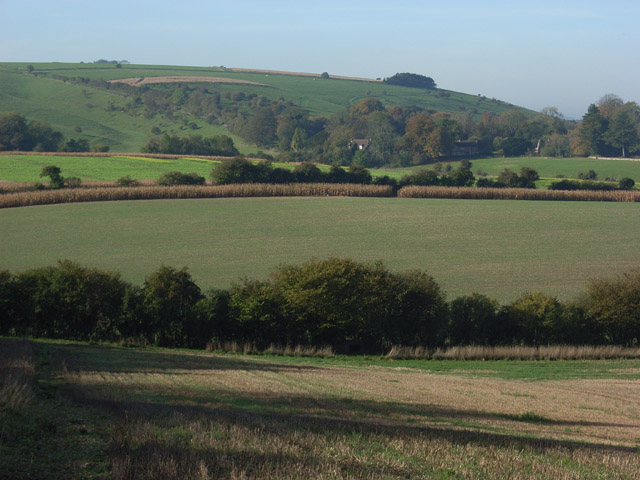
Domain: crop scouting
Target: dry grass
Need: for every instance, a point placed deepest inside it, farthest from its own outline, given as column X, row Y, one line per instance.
column 519, row 194
column 17, row 371
column 545, row 352
column 136, row 82
column 278, row 350
column 198, row 416
column 45, row 197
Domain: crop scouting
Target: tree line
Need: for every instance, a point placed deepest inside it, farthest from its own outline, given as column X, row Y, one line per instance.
column 342, row 303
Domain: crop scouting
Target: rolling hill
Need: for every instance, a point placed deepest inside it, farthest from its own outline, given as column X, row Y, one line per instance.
column 81, row 101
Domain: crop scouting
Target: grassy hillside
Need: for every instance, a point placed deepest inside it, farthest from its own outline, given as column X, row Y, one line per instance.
column 43, row 95
column 499, row 248
column 88, row 411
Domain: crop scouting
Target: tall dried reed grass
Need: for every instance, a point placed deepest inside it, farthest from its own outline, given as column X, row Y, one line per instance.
column 279, row 350
column 17, row 371
column 547, row 352
column 45, row 197
column 475, row 193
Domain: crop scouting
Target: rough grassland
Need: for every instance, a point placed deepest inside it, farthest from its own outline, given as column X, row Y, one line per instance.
column 128, row 413
column 500, row 248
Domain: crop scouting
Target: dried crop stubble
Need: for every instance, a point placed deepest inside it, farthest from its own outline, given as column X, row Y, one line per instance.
column 237, row 417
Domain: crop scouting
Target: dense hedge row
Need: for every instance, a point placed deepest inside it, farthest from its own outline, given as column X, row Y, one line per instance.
column 336, row 302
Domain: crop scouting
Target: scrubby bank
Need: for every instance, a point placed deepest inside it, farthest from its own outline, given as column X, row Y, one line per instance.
column 336, row 302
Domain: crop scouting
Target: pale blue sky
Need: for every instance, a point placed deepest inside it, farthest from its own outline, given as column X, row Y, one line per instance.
column 535, row 54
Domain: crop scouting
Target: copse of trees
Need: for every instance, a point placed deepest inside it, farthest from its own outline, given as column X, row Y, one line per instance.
column 306, row 304
column 413, row 80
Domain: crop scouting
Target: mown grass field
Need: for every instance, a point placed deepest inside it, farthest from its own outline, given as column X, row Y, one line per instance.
column 547, row 168
column 27, row 168
column 497, row 247
column 80, row 411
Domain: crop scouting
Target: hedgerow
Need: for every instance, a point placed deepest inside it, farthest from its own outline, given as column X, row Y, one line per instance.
column 349, row 306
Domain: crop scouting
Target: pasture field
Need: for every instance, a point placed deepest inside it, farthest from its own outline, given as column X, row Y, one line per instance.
column 100, row 115
column 547, row 168
column 27, row 168
column 500, row 248
column 89, row 411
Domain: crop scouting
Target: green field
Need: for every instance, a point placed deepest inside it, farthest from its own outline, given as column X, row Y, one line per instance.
column 500, row 248
column 102, row 117
column 71, row 410
column 27, row 168
column 547, row 168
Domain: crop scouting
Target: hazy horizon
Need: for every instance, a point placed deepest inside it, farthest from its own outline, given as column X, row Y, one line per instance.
column 562, row 54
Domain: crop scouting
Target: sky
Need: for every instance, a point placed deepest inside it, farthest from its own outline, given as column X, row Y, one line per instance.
column 565, row 54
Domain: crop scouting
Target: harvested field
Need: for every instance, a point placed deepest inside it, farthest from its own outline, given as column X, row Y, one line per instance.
column 189, row 415
column 136, row 82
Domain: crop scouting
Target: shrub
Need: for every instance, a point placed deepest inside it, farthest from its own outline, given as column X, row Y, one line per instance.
column 72, row 182
column 178, row 178
column 127, row 182
column 626, row 183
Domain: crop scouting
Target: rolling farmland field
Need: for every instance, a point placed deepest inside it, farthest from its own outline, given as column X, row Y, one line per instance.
column 90, row 411
column 500, row 248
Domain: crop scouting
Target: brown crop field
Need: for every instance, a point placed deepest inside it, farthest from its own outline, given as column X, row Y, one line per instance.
column 198, row 415
column 138, row 81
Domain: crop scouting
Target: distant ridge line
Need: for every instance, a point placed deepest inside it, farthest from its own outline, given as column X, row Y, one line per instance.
column 299, row 74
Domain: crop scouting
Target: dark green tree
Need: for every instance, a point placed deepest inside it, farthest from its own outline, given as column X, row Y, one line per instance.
column 623, row 130
column 592, row 129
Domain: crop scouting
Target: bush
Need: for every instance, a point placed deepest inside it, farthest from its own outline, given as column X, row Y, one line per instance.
column 178, row 178
column 626, row 183
column 72, row 182
column 127, row 182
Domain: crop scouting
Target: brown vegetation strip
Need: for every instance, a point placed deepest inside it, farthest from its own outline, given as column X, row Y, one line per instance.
column 543, row 352
column 519, row 194
column 136, row 82
column 23, row 199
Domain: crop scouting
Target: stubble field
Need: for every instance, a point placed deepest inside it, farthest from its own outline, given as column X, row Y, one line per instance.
column 169, row 414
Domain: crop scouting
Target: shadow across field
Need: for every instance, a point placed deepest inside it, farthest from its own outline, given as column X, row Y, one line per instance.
column 118, row 360
column 328, row 411
column 170, row 418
